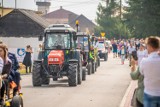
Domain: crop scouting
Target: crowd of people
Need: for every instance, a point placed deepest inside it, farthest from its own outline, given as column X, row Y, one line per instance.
column 125, row 48
column 144, row 60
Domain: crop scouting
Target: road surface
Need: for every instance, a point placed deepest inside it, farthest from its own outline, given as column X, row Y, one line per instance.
column 105, row 88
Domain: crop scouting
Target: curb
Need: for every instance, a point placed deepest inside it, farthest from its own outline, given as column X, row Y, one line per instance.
column 126, row 101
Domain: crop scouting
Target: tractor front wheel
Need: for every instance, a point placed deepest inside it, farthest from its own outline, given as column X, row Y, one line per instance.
column 45, row 80
column 89, row 67
column 73, row 75
column 98, row 61
column 84, row 73
column 93, row 67
column 36, row 74
column 105, row 57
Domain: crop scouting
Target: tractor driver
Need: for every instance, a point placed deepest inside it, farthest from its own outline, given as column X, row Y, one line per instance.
column 60, row 41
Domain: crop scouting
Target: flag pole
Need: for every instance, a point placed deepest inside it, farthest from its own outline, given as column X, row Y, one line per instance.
column 15, row 4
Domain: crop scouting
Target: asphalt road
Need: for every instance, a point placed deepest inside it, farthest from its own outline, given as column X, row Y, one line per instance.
column 105, row 88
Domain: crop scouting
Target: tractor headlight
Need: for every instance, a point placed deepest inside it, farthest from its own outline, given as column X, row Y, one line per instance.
column 55, row 59
column 51, row 59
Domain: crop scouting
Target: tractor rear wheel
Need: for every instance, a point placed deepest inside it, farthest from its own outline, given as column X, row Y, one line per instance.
column 98, row 61
column 96, row 65
column 73, row 75
column 84, row 73
column 105, row 57
column 80, row 73
column 89, row 67
column 36, row 74
column 93, row 67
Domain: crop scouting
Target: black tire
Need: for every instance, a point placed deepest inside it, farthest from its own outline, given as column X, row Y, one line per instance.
column 98, row 61
column 96, row 65
column 17, row 101
column 73, row 75
column 36, row 74
column 93, row 67
column 55, row 79
column 45, row 80
column 105, row 57
column 89, row 67
column 80, row 73
column 84, row 73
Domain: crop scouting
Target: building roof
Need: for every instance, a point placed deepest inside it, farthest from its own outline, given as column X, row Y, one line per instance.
column 60, row 14
column 83, row 19
column 22, row 23
column 84, row 23
column 31, row 14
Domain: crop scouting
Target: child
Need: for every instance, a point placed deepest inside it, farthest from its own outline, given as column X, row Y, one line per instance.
column 122, row 53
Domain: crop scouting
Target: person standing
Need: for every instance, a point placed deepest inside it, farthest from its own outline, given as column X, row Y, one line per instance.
column 14, row 74
column 27, row 59
column 40, row 52
column 122, row 54
column 5, row 72
column 137, row 43
column 136, row 75
column 131, row 48
column 149, row 67
column 114, row 45
column 141, row 53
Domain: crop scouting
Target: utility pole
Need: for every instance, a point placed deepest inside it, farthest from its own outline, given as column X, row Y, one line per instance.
column 120, row 9
column 15, row 4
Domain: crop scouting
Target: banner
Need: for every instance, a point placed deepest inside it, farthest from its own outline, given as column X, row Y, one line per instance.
column 20, row 53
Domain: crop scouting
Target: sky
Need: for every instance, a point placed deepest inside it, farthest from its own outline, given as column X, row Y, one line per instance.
column 85, row 7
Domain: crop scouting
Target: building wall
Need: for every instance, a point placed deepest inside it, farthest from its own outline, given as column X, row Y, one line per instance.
column 13, row 42
column 5, row 11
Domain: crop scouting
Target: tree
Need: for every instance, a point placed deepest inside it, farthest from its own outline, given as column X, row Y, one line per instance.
column 142, row 17
column 110, row 23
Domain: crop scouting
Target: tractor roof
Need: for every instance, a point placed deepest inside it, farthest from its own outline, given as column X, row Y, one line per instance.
column 59, row 28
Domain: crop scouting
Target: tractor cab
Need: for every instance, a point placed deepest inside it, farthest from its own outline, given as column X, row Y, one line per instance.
column 60, row 57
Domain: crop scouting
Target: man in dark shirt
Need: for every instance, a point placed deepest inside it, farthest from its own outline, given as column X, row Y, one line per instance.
column 114, row 45
column 14, row 74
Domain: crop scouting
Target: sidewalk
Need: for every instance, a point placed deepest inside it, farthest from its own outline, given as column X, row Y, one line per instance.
column 126, row 101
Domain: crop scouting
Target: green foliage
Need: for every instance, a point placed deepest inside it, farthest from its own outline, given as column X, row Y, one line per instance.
column 143, row 17
column 109, row 23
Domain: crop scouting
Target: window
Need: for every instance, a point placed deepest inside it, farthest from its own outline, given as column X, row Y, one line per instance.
column 54, row 40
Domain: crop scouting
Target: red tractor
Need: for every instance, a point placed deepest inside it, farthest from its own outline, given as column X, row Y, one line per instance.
column 60, row 57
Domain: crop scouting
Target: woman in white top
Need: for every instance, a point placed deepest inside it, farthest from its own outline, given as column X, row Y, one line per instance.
column 141, row 53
